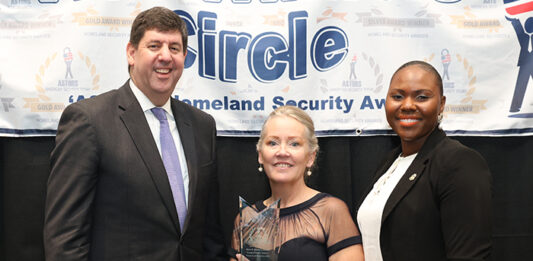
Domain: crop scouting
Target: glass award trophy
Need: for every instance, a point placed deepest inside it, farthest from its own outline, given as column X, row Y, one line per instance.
column 259, row 231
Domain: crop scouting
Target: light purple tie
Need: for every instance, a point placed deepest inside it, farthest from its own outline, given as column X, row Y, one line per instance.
column 172, row 165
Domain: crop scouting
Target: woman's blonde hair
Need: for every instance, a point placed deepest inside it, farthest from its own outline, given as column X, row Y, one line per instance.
column 300, row 116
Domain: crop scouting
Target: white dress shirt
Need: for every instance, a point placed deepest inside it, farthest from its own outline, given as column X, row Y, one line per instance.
column 154, row 124
column 371, row 211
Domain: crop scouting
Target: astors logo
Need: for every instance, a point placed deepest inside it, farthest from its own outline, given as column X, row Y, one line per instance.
column 446, row 59
column 464, row 92
column 42, row 102
column 369, row 66
column 518, row 13
column 49, row 78
column 67, row 56
column 352, row 82
column 353, row 77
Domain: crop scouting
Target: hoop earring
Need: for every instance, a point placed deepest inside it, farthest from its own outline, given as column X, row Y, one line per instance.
column 260, row 168
column 439, row 118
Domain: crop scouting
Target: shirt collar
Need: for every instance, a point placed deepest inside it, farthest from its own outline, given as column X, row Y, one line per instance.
column 145, row 103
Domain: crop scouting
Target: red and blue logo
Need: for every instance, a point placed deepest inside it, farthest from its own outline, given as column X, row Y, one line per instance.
column 516, row 7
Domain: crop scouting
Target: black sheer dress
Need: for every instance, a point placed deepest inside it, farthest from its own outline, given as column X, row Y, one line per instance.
column 313, row 230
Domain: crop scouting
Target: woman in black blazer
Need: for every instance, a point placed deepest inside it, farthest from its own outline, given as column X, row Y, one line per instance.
column 431, row 200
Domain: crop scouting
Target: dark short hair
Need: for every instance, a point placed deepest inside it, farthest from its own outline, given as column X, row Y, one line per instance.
column 157, row 18
column 426, row 67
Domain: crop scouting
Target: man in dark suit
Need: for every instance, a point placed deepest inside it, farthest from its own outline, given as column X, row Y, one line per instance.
column 109, row 196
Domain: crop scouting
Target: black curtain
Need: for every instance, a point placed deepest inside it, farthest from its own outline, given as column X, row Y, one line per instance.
column 345, row 167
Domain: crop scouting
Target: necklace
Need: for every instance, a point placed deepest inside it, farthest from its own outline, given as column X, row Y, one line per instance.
column 383, row 180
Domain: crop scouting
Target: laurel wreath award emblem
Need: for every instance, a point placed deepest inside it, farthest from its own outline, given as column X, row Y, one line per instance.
column 467, row 104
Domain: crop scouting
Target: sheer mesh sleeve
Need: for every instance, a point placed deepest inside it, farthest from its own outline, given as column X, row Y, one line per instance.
column 339, row 226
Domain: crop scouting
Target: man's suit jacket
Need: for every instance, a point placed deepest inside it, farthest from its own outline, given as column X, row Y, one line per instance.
column 441, row 208
column 108, row 195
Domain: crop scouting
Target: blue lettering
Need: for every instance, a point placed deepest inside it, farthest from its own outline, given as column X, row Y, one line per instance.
column 226, row 104
column 186, row 101
column 379, row 103
column 297, row 44
column 291, row 103
column 206, row 44
column 201, row 104
column 234, row 105
column 278, row 101
column 367, row 103
column 268, row 54
column 79, row 98
column 217, row 105
column 230, row 45
column 191, row 30
column 302, row 104
column 329, row 48
column 267, row 57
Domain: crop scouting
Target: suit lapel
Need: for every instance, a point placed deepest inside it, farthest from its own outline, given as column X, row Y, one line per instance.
column 133, row 118
column 183, row 122
column 413, row 173
column 409, row 178
column 386, row 164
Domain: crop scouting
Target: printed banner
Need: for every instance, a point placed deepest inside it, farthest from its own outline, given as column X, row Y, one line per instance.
column 333, row 59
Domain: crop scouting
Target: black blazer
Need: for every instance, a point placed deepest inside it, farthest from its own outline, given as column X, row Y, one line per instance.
column 441, row 208
column 108, row 196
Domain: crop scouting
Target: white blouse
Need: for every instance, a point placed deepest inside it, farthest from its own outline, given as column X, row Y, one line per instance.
column 370, row 213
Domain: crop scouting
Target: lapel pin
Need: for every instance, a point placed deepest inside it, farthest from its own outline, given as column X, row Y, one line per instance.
column 413, row 177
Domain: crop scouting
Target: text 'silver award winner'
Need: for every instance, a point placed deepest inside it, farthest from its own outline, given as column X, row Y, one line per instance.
column 259, row 231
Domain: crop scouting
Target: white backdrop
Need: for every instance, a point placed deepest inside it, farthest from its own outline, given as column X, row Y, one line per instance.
column 245, row 57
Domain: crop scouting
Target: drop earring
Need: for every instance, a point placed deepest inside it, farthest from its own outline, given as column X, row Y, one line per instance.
column 439, row 118
column 260, row 168
column 309, row 172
